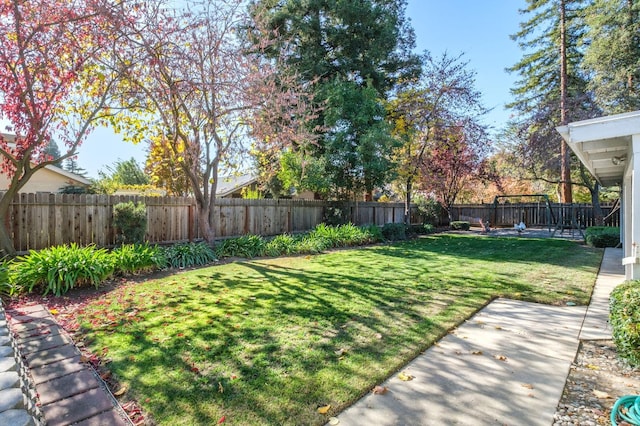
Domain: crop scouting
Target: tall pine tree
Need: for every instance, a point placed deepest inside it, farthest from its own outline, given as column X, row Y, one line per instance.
column 551, row 90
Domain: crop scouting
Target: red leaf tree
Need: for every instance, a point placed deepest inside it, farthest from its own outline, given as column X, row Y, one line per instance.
column 454, row 157
column 437, row 118
column 51, row 84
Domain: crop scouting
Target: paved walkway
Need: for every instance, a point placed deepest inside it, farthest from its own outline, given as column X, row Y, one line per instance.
column 507, row 365
column 70, row 392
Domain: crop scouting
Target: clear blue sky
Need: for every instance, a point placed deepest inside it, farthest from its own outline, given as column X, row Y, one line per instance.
column 478, row 28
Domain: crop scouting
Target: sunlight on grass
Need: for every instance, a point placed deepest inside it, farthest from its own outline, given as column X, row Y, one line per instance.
column 268, row 341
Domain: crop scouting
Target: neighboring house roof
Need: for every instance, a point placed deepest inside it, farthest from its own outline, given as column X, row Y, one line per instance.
column 69, row 175
column 59, row 173
column 227, row 185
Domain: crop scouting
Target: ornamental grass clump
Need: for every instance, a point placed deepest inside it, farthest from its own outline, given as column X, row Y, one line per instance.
column 137, row 258
column 186, row 255
column 624, row 317
column 6, row 286
column 280, row 245
column 373, row 233
column 329, row 235
column 248, row 246
column 59, row 269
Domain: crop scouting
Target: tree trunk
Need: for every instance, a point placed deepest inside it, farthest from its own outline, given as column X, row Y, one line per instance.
column 566, row 195
column 203, row 220
column 407, row 202
column 20, row 177
column 6, row 243
column 598, row 216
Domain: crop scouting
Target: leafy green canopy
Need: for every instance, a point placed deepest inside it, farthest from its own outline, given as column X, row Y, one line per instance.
column 352, row 54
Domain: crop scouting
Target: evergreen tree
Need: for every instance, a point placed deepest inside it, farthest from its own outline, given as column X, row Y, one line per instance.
column 125, row 173
column 352, row 54
column 52, row 151
column 71, row 165
column 552, row 88
column 612, row 58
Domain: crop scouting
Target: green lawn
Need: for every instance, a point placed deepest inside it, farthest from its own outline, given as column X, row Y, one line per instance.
column 268, row 341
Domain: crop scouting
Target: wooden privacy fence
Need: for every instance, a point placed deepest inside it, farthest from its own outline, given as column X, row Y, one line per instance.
column 534, row 214
column 38, row 221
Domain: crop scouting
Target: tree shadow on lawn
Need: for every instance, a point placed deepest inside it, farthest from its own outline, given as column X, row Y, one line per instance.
column 339, row 335
column 206, row 346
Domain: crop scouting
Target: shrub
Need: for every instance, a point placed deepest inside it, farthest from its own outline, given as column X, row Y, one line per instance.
column 185, row 255
column 130, row 222
column 423, row 229
column 61, row 268
column 429, row 209
column 602, row 236
column 460, row 225
column 248, row 246
column 624, row 316
column 337, row 213
column 137, row 258
column 394, row 231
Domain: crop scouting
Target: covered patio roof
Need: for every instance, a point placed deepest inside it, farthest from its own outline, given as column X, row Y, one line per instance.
column 603, row 144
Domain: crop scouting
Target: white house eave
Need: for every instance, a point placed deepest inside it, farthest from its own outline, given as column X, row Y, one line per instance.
column 603, row 144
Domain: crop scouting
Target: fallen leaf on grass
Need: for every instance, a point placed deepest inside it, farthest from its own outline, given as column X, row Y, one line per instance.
column 380, row 390
column 220, row 388
column 324, row 409
column 222, row 419
column 340, row 352
column 378, row 336
column 405, row 377
column 600, row 394
column 120, row 391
